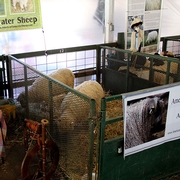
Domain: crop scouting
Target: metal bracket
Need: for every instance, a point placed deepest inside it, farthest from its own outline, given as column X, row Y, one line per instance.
column 120, row 150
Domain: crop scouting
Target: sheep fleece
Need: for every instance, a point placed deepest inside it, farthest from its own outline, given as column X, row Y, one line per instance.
column 76, row 109
column 151, row 37
column 22, row 3
column 152, row 5
column 39, row 91
column 138, row 123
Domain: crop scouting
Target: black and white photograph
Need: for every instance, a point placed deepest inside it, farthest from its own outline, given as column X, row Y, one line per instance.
column 145, row 119
column 152, row 5
column 22, row 6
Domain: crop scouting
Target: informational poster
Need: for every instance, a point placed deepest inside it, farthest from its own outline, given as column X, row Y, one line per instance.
column 149, row 11
column 20, row 15
column 151, row 117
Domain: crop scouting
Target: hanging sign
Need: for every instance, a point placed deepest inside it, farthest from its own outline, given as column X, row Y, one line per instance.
column 151, row 117
column 149, row 11
column 20, row 15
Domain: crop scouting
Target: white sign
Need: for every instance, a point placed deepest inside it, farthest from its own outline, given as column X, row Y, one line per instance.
column 151, row 117
column 149, row 11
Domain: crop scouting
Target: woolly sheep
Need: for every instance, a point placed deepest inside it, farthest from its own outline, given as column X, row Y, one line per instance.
column 141, row 117
column 39, row 91
column 22, row 3
column 151, row 37
column 153, row 5
column 76, row 110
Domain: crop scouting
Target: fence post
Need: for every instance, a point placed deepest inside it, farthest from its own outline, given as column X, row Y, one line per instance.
column 98, row 63
column 9, row 77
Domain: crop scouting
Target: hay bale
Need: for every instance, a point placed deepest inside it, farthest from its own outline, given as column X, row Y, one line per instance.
column 114, row 109
column 159, row 77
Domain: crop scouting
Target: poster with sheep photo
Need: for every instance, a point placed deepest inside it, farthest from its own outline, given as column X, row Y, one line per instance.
column 149, row 12
column 151, row 37
column 20, row 15
column 151, row 118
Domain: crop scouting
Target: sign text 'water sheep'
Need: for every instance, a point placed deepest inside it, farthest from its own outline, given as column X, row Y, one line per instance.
column 19, row 20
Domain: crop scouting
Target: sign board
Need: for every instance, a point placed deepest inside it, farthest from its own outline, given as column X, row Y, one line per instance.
column 20, row 15
column 149, row 11
column 151, row 117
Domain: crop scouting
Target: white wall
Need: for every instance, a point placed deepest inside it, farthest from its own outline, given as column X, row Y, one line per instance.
column 170, row 18
column 170, row 24
column 69, row 23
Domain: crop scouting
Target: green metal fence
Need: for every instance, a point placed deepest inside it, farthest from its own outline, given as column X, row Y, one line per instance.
column 172, row 44
column 83, row 61
column 124, row 71
column 155, row 163
column 99, row 138
column 120, row 75
column 75, row 141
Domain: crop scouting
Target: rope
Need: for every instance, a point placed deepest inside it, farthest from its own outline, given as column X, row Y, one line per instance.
column 45, row 48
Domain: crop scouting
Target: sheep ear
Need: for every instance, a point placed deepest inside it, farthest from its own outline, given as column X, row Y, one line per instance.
column 161, row 102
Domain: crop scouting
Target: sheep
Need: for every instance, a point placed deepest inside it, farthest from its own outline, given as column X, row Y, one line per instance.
column 141, row 117
column 39, row 90
column 22, row 3
column 75, row 109
column 152, row 36
column 152, row 5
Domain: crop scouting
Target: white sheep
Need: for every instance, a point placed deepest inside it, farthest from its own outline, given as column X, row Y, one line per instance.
column 153, row 5
column 22, row 3
column 75, row 109
column 152, row 36
column 141, row 117
column 39, row 90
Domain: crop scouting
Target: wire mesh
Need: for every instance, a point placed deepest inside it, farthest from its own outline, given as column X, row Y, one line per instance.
column 75, row 61
column 157, row 69
column 70, row 115
column 69, row 112
column 174, row 47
